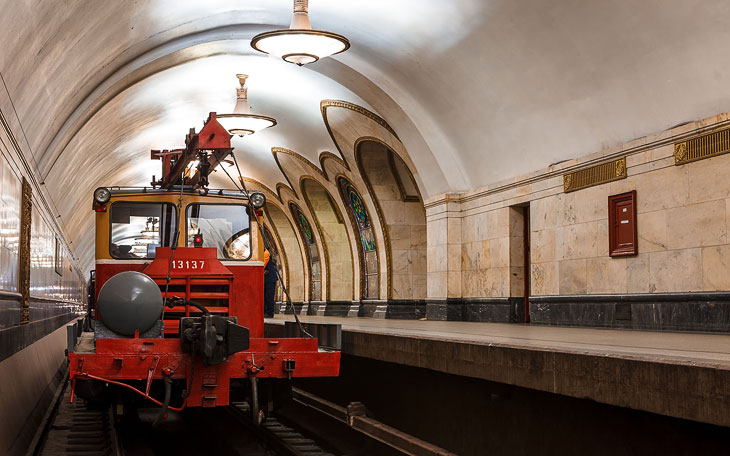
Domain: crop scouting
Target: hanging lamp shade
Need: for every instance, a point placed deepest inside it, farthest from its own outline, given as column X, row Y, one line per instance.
column 242, row 122
column 299, row 43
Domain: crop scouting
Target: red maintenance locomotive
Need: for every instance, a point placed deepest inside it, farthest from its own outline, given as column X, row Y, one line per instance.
column 177, row 308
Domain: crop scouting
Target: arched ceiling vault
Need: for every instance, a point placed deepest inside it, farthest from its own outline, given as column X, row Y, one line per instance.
column 477, row 91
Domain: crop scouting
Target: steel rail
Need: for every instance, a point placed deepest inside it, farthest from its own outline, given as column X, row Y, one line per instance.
column 355, row 416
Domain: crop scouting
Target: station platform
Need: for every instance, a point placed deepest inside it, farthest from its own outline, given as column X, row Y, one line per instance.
column 683, row 375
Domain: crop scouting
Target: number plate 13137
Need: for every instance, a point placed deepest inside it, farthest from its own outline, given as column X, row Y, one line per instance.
column 188, row 264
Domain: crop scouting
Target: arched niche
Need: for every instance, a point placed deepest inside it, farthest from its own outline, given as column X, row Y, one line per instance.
column 336, row 244
column 295, row 268
column 311, row 252
column 391, row 183
column 366, row 244
column 278, row 255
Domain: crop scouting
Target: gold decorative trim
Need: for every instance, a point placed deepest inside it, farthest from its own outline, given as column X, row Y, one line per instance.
column 324, row 156
column 26, row 213
column 324, row 104
column 595, row 175
column 701, row 147
column 282, row 150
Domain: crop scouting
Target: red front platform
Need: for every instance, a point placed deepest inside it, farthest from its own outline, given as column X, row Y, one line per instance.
column 230, row 290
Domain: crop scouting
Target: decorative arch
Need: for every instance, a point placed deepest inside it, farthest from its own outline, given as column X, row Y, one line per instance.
column 311, row 251
column 335, row 239
column 367, row 246
column 278, row 253
column 400, row 208
column 290, row 244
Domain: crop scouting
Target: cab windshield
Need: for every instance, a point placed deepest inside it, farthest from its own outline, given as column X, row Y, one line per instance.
column 137, row 229
column 227, row 227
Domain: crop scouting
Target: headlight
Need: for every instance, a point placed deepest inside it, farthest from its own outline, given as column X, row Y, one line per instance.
column 102, row 195
column 257, row 199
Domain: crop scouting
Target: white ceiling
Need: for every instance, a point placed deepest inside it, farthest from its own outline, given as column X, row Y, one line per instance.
column 478, row 90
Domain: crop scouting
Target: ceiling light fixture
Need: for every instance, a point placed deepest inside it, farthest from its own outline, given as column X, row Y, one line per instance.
column 299, row 43
column 242, row 122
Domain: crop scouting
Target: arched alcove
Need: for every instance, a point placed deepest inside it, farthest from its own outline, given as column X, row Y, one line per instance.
column 367, row 249
column 331, row 225
column 310, row 251
column 294, row 276
column 279, row 256
column 394, row 189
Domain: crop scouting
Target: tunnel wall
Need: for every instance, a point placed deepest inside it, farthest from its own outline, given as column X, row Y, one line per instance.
column 677, row 281
column 41, row 289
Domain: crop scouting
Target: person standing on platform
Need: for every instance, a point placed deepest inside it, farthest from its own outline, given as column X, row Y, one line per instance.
column 270, row 280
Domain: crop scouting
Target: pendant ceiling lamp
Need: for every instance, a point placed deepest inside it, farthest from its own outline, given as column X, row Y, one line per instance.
column 242, row 122
column 299, row 43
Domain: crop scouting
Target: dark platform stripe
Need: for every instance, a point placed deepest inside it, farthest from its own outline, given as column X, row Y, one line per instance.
column 17, row 337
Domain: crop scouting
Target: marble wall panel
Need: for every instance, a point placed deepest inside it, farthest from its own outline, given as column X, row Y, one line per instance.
column 705, row 179
column 544, row 280
column 436, row 258
column 591, row 204
column 544, row 245
column 652, row 231
column 675, row 270
column 580, row 241
column 402, row 286
column 697, row 225
column 716, row 268
column 436, row 285
column 637, row 274
column 572, row 276
column 499, row 253
column 606, row 275
column 662, row 189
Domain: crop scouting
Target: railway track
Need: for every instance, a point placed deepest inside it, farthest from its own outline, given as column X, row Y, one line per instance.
column 76, row 429
column 280, row 437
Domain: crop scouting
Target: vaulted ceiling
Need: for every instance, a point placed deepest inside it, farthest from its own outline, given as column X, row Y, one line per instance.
column 477, row 90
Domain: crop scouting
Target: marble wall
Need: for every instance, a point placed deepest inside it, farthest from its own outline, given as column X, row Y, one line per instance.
column 683, row 217
column 405, row 221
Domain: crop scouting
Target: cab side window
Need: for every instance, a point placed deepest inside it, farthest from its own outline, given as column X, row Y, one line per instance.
column 137, row 229
column 227, row 227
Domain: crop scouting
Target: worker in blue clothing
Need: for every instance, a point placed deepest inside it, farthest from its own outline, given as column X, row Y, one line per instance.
column 270, row 279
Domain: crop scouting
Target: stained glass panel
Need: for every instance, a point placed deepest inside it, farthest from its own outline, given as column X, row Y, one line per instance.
column 369, row 254
column 315, row 269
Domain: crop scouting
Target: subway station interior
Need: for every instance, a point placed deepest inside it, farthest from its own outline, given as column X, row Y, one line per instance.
column 328, row 227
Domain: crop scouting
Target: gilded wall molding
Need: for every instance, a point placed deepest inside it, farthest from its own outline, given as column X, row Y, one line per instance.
column 324, row 104
column 595, row 175
column 703, row 146
column 324, row 156
column 26, row 214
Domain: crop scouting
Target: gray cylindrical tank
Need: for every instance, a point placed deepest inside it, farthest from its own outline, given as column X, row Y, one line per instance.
column 129, row 301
